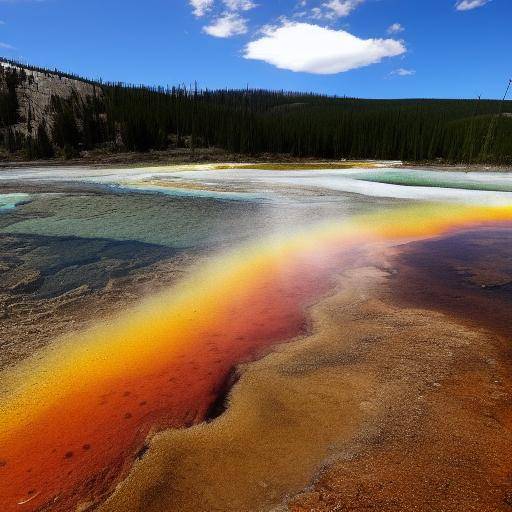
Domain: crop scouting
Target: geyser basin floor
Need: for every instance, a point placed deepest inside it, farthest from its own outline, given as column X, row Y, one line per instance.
column 385, row 407
column 436, row 335
column 73, row 419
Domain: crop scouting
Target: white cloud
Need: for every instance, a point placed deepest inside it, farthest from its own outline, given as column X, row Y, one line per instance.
column 6, row 46
column 396, row 28
column 334, row 9
column 228, row 24
column 225, row 24
column 311, row 48
column 468, row 5
column 201, row 7
column 239, row 5
column 403, row 72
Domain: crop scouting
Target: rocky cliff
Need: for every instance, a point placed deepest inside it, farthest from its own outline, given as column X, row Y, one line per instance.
column 29, row 96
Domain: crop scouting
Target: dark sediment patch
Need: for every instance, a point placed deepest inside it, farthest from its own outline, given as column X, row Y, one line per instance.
column 46, row 267
column 220, row 404
column 466, row 275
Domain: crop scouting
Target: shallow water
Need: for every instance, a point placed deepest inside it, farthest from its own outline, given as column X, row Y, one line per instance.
column 194, row 207
column 10, row 201
column 73, row 418
column 483, row 181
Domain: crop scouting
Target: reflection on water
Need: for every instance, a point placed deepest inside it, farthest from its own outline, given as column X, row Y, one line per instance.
column 50, row 266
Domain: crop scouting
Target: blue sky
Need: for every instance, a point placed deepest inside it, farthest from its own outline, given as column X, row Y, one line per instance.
column 363, row 48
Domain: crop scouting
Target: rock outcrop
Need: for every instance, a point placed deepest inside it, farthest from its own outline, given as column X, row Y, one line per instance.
column 34, row 89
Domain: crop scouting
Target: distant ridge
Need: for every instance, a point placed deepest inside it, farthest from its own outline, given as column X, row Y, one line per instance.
column 28, row 67
column 48, row 113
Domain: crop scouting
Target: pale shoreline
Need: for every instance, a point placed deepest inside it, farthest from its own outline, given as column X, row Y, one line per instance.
column 226, row 161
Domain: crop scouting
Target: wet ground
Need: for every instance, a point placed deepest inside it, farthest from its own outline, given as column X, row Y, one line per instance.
column 442, row 442
column 82, row 246
column 466, row 275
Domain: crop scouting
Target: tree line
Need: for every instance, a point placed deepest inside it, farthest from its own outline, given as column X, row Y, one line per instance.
column 138, row 118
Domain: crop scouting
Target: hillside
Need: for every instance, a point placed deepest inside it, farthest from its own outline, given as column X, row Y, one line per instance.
column 46, row 113
column 28, row 102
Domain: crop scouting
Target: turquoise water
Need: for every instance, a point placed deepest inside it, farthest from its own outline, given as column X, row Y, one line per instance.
column 169, row 221
column 202, row 208
column 10, row 201
column 191, row 192
column 491, row 182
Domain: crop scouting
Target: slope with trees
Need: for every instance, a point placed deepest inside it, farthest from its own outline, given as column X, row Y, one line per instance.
column 120, row 117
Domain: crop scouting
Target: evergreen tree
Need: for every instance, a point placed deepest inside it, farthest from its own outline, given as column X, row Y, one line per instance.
column 252, row 122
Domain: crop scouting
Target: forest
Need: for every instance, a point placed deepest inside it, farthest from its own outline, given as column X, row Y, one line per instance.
column 251, row 122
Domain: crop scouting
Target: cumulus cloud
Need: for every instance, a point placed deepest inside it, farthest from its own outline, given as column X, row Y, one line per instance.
column 311, row 48
column 396, row 28
column 403, row 72
column 201, row 7
column 224, row 16
column 468, row 5
column 228, row 24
